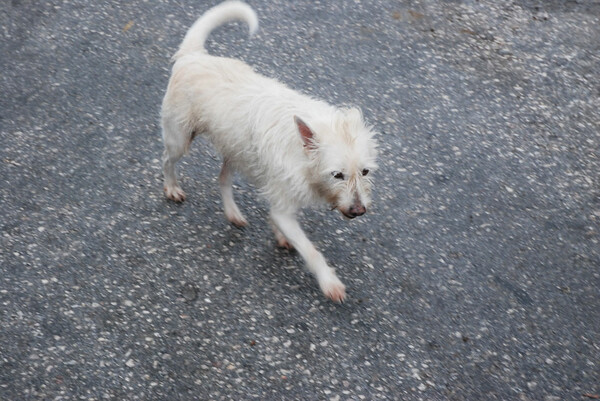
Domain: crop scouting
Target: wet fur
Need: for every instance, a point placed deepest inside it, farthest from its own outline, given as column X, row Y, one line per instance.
column 287, row 144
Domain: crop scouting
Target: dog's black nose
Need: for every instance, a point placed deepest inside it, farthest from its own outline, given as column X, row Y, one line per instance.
column 357, row 210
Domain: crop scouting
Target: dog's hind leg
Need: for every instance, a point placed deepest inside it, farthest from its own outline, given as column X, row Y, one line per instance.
column 232, row 212
column 330, row 284
column 175, row 147
column 282, row 242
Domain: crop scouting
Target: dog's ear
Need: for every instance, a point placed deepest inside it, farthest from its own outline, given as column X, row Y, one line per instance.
column 307, row 135
column 354, row 114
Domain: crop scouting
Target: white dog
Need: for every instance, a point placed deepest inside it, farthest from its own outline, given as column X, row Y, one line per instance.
column 298, row 151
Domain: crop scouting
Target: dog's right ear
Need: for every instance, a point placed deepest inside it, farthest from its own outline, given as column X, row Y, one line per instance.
column 307, row 135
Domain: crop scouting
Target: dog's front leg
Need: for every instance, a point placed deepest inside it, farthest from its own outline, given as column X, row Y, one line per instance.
column 330, row 284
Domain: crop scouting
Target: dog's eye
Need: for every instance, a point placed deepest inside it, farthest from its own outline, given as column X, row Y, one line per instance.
column 338, row 174
column 365, row 171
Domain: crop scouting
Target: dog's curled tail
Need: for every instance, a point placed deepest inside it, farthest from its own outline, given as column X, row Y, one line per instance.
column 213, row 18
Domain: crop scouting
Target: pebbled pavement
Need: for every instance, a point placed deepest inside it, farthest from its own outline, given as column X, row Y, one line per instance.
column 475, row 276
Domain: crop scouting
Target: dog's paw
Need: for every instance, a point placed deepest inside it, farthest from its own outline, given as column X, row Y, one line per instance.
column 282, row 242
column 175, row 193
column 285, row 245
column 237, row 219
column 333, row 289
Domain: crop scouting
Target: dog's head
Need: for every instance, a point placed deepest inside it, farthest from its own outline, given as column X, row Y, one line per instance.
column 343, row 157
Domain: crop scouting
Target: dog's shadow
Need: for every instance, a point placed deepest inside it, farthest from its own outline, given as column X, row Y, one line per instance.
column 282, row 271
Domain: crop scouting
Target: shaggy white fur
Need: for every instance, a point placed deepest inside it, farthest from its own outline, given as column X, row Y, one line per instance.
column 297, row 150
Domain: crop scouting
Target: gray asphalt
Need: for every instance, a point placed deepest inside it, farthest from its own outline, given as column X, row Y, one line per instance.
column 475, row 276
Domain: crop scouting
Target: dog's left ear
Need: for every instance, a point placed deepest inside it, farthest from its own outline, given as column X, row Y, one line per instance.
column 307, row 135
